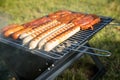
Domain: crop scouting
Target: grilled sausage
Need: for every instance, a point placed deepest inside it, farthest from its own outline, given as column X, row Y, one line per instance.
column 60, row 38
column 33, row 44
column 40, row 28
column 12, row 30
column 43, row 41
column 18, row 33
column 9, row 27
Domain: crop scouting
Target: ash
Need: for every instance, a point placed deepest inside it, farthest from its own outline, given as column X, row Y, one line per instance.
column 65, row 45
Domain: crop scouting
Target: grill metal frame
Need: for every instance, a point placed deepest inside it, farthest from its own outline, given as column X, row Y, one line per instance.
column 80, row 38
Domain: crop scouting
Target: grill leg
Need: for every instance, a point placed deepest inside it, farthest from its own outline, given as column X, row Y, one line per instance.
column 100, row 66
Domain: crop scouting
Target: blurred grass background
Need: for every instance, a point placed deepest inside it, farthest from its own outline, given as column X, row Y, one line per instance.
column 22, row 11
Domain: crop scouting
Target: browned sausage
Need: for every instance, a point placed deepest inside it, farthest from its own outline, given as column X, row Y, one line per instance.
column 9, row 26
column 18, row 33
column 12, row 30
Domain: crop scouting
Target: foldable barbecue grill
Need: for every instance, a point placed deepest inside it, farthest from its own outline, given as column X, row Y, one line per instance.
column 41, row 65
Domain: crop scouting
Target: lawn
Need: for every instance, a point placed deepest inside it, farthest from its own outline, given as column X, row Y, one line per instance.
column 21, row 11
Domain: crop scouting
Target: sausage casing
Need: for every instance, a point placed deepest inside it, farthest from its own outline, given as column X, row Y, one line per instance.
column 12, row 30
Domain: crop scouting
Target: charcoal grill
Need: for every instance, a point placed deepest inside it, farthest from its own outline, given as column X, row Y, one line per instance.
column 40, row 65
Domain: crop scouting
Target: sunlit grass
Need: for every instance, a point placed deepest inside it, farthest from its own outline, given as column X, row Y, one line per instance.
column 22, row 11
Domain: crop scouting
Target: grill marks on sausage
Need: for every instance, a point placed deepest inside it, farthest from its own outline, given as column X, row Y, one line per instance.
column 40, row 28
column 18, row 33
column 60, row 38
column 44, row 29
column 43, row 41
column 35, row 41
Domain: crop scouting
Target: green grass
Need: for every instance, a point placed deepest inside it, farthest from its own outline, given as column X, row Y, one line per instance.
column 21, row 11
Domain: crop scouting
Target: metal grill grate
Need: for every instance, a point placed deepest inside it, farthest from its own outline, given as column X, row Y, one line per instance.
column 64, row 48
